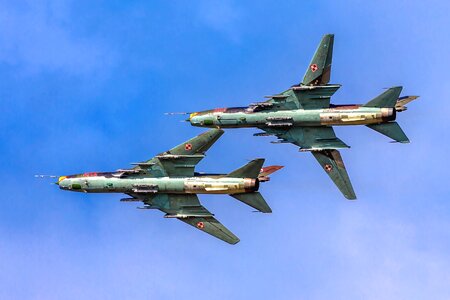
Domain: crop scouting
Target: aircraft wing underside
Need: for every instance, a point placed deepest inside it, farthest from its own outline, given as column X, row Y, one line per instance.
column 323, row 144
column 187, row 208
column 180, row 161
column 314, row 92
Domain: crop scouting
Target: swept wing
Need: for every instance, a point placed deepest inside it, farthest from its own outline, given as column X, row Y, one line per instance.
column 187, row 208
column 323, row 144
column 180, row 161
column 313, row 92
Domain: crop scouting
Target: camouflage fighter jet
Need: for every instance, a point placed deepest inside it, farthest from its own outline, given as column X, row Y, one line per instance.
column 303, row 115
column 169, row 183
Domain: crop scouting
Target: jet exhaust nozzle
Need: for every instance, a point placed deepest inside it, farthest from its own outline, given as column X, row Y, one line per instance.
column 251, row 185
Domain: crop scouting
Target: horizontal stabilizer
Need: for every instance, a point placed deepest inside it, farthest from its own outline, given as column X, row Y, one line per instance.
column 387, row 99
column 255, row 200
column 250, row 170
column 392, row 130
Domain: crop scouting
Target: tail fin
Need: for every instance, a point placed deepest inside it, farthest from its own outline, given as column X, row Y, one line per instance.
column 387, row 99
column 319, row 69
column 392, row 130
column 255, row 200
column 266, row 171
column 250, row 170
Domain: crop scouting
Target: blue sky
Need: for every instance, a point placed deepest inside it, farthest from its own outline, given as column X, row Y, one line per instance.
column 84, row 86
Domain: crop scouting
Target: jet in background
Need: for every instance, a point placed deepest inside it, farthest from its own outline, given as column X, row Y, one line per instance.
column 303, row 115
column 168, row 182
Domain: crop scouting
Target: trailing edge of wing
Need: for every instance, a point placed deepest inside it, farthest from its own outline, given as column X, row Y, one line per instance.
column 309, row 138
column 187, row 208
column 331, row 161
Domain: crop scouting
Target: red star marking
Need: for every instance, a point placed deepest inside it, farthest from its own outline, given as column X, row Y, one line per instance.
column 328, row 167
column 313, row 67
column 200, row 225
column 188, row 147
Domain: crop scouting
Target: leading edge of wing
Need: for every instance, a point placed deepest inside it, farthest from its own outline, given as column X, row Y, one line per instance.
column 181, row 159
column 194, row 146
column 197, row 145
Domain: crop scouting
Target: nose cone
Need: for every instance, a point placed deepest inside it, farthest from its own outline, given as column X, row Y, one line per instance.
column 62, row 182
column 194, row 119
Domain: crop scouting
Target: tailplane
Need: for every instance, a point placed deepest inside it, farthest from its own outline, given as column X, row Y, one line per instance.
column 250, row 170
column 392, row 130
column 255, row 200
column 387, row 99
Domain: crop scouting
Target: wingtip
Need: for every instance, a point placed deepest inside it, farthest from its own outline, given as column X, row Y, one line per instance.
column 234, row 242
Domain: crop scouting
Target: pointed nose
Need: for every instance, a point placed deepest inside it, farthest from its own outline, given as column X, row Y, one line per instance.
column 191, row 116
column 194, row 119
column 60, row 179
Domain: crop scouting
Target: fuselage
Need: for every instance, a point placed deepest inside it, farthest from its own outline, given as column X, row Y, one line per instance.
column 334, row 116
column 108, row 183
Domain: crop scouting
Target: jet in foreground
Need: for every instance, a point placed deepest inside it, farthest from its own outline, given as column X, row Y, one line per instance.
column 169, row 183
column 303, row 115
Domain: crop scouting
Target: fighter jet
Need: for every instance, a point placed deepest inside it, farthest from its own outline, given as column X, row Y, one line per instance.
column 168, row 182
column 303, row 115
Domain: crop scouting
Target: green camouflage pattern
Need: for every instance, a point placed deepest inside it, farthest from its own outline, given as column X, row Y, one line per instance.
column 304, row 116
column 168, row 182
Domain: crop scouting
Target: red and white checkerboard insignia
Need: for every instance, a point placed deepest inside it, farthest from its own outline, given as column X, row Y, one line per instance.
column 200, row 225
column 313, row 67
column 328, row 167
column 188, row 147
